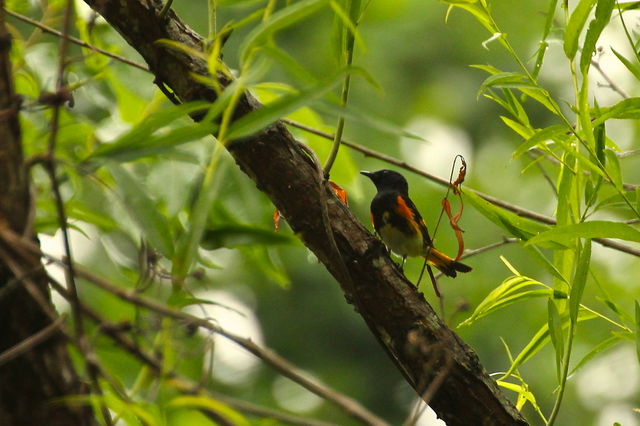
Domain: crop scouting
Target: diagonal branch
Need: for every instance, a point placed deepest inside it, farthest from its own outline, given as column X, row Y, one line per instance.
column 390, row 305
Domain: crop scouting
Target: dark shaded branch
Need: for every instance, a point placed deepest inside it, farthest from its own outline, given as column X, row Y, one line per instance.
column 390, row 305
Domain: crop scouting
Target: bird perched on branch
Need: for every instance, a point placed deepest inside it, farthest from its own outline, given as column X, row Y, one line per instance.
column 398, row 222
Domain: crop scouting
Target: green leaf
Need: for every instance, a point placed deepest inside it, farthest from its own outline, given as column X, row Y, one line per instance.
column 600, row 347
column 264, row 116
column 579, row 281
column 613, row 166
column 603, row 14
column 523, row 130
column 625, row 109
column 554, row 324
column 290, row 15
column 140, row 140
column 590, row 229
column 187, row 246
column 509, row 292
column 143, row 210
column 209, row 404
column 232, row 236
column 505, row 80
column 540, row 136
column 574, row 27
column 633, row 68
column 539, row 340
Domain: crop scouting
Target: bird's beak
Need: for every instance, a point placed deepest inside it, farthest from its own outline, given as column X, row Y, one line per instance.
column 367, row 174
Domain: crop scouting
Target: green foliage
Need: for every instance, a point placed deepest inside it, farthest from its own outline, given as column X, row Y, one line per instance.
column 161, row 211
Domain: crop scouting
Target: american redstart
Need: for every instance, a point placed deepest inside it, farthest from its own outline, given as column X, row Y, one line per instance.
column 398, row 222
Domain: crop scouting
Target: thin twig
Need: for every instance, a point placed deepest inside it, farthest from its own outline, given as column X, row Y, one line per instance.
column 75, row 40
column 520, row 211
column 116, row 333
column 50, row 167
column 281, row 365
column 611, row 84
column 30, row 342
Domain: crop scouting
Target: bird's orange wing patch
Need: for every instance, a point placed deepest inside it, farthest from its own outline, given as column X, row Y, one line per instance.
column 406, row 212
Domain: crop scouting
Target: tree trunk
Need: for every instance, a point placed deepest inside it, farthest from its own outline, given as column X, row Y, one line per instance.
column 30, row 383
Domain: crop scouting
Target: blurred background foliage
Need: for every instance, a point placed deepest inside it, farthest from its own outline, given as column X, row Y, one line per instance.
column 265, row 284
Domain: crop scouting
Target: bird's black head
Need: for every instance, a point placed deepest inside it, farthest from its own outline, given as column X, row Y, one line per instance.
column 386, row 180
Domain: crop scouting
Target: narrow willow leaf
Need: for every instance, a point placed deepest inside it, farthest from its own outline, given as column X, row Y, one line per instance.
column 141, row 135
column 579, row 281
column 187, row 246
column 525, row 131
column 266, row 115
column 209, row 404
column 143, row 210
column 554, row 324
column 574, row 27
column 522, row 391
column 505, row 80
column 600, row 135
column 590, row 229
column 613, row 166
column 511, row 290
column 539, row 340
column 542, row 96
column 544, row 44
column 633, row 68
column 279, row 20
column 599, row 348
column 540, row 136
column 603, row 14
column 625, row 109
column 232, row 236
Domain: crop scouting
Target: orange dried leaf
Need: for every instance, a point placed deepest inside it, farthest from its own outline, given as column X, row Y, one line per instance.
column 276, row 219
column 453, row 221
column 340, row 193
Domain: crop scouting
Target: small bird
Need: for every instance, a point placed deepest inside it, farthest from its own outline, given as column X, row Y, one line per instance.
column 398, row 222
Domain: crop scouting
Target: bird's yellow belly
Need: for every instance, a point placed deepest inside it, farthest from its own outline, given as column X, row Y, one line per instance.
column 401, row 243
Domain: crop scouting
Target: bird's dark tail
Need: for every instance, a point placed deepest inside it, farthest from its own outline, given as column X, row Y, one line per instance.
column 445, row 264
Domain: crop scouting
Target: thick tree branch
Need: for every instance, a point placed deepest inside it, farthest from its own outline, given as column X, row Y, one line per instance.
column 394, row 310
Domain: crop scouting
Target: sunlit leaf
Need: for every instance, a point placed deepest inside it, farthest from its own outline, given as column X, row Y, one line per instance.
column 513, row 289
column 575, row 25
column 209, row 404
column 539, row 340
column 603, row 14
column 540, row 136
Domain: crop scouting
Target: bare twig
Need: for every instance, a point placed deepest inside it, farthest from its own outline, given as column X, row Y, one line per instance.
column 29, row 343
column 610, row 83
column 349, row 405
column 520, row 211
column 74, row 40
column 60, row 96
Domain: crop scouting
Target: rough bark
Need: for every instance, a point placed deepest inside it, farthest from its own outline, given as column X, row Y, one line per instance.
column 422, row 347
column 31, row 383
